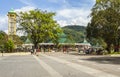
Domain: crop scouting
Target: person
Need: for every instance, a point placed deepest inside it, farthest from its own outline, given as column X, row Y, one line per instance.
column 34, row 51
column 99, row 52
column 79, row 49
column 64, row 49
column 37, row 52
column 86, row 51
column 31, row 51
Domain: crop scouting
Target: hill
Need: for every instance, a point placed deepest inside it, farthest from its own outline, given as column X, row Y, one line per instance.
column 76, row 28
column 74, row 32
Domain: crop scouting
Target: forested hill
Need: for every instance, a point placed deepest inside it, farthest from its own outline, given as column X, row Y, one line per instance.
column 75, row 32
column 76, row 28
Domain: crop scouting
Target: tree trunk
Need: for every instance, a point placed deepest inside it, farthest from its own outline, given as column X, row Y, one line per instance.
column 35, row 47
column 109, row 48
column 116, row 46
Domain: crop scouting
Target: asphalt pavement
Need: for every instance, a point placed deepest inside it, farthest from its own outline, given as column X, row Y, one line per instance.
column 57, row 65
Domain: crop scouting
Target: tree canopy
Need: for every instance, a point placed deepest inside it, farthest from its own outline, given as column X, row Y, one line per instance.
column 3, row 39
column 6, row 44
column 9, row 46
column 105, row 22
column 39, row 25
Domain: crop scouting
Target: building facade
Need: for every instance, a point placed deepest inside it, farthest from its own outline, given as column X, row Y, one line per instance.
column 11, row 22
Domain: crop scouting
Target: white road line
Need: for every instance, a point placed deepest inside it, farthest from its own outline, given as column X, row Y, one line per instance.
column 48, row 68
column 91, row 71
column 80, row 61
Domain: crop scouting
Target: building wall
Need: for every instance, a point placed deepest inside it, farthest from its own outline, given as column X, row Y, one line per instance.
column 11, row 24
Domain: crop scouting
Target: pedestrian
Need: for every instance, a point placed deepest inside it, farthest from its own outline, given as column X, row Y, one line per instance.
column 31, row 51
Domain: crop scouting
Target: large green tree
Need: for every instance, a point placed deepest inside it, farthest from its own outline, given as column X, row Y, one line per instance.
column 9, row 46
column 17, row 41
column 3, row 40
column 23, row 38
column 105, row 22
column 3, row 37
column 39, row 25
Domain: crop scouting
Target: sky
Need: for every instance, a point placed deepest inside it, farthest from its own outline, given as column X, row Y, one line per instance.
column 68, row 12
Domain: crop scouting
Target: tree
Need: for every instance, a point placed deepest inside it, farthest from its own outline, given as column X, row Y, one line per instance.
column 39, row 25
column 3, row 39
column 23, row 38
column 105, row 22
column 17, row 41
column 9, row 46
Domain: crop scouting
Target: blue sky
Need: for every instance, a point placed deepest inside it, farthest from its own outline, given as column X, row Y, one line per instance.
column 68, row 12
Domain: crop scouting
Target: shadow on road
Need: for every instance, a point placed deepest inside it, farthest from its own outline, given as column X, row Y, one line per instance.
column 104, row 60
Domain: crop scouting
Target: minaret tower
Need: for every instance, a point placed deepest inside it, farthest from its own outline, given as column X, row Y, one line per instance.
column 11, row 22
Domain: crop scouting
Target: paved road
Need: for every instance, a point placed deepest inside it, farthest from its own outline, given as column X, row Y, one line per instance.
column 51, row 65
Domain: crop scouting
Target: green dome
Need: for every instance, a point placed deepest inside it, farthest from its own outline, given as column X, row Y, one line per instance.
column 86, row 43
column 12, row 11
column 27, row 41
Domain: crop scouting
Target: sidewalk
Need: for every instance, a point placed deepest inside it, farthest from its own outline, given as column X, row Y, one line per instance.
column 115, row 55
column 17, row 53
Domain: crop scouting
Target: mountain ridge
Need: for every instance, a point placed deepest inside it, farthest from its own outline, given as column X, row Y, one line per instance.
column 75, row 32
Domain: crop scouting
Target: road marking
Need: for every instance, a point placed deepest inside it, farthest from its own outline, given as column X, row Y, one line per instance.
column 48, row 68
column 91, row 71
column 80, row 61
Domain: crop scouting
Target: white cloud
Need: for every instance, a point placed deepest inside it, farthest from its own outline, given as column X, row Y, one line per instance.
column 3, row 22
column 63, row 3
column 94, row 0
column 62, row 23
column 27, row 2
column 6, row 31
column 24, row 9
column 73, row 16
